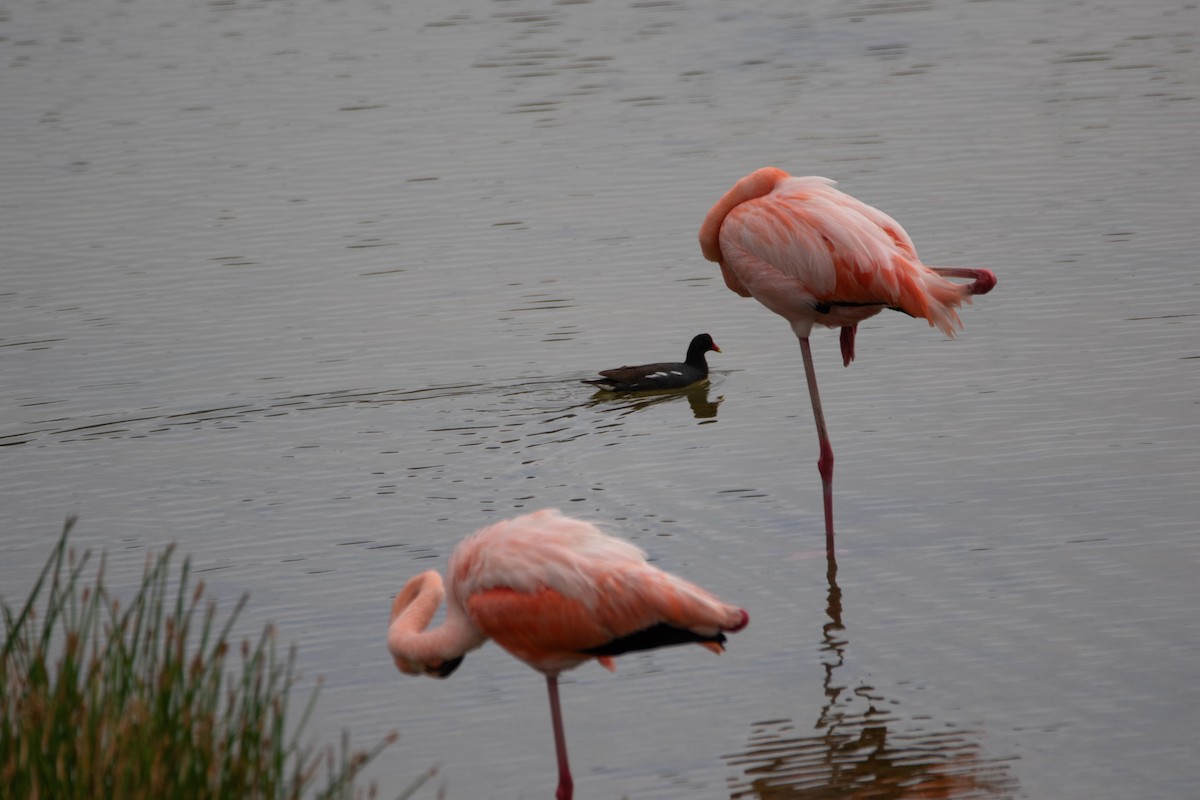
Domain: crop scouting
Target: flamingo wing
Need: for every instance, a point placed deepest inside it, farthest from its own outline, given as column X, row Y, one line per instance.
column 838, row 249
column 550, row 589
column 635, row 609
column 545, row 628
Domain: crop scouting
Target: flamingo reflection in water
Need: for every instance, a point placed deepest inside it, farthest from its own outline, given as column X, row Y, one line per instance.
column 864, row 748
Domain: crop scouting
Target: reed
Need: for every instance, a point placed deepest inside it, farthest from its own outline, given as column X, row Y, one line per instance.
column 144, row 701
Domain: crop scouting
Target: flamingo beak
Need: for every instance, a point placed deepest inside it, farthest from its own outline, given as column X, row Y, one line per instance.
column 444, row 669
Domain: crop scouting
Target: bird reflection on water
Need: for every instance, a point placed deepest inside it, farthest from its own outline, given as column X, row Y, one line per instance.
column 703, row 407
column 862, row 748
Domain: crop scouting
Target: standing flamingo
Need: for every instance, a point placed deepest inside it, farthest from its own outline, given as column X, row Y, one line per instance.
column 554, row 592
column 817, row 256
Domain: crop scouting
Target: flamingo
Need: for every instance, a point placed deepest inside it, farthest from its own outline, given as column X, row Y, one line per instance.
column 555, row 592
column 664, row 375
column 817, row 256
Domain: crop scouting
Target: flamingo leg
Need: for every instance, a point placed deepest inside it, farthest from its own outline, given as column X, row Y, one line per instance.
column 847, row 341
column 825, row 462
column 566, row 786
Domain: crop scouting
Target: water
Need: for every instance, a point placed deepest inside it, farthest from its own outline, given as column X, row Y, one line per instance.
column 308, row 287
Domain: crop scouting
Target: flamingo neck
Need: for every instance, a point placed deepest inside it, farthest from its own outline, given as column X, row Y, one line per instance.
column 756, row 184
column 416, row 649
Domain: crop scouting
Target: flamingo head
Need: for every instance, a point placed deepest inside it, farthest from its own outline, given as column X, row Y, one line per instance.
column 415, row 650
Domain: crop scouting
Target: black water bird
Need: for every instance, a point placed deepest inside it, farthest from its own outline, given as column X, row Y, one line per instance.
column 663, row 375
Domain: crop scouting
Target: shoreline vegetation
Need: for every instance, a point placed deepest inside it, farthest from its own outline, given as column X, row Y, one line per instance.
column 100, row 699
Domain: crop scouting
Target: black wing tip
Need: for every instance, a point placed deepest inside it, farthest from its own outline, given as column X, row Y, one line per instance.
column 652, row 638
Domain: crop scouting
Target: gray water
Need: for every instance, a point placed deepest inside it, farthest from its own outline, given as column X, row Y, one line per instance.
column 308, row 288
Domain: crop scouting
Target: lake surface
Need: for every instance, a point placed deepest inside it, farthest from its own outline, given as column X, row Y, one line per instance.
column 308, row 288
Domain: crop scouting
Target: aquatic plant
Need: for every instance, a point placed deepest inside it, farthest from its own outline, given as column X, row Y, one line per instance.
column 103, row 701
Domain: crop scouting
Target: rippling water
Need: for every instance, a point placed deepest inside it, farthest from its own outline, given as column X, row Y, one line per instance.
column 309, row 287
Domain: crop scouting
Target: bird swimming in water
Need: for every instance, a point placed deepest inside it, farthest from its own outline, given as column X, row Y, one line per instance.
column 663, row 375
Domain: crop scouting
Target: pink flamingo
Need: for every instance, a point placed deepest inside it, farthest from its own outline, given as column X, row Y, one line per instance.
column 817, row 256
column 554, row 592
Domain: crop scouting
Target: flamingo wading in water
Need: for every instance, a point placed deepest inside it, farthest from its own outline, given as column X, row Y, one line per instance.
column 817, row 256
column 555, row 592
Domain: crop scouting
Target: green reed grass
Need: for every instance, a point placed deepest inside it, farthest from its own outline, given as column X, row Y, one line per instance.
column 101, row 701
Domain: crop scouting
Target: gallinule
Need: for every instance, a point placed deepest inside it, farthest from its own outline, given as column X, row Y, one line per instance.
column 664, row 375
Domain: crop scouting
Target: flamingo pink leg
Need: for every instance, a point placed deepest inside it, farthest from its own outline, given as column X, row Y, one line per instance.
column 825, row 462
column 847, row 342
column 566, row 786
